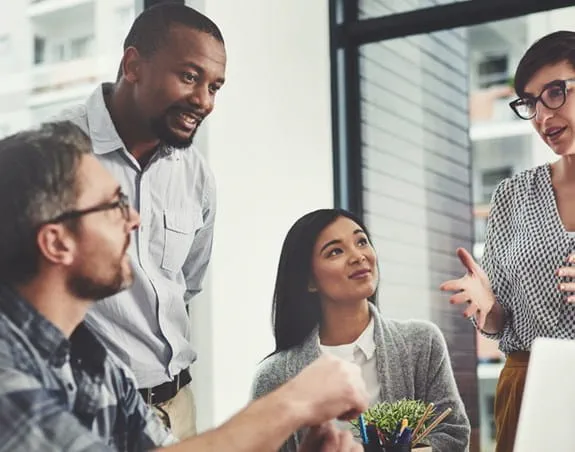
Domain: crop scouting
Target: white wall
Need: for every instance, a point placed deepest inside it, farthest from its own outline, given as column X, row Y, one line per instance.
column 14, row 80
column 269, row 145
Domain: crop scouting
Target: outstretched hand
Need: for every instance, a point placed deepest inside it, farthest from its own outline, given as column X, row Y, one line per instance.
column 472, row 288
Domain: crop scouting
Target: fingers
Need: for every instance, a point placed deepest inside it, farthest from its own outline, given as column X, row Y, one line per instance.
column 351, row 414
column 315, row 437
column 567, row 287
column 330, row 440
column 346, row 442
column 330, row 388
column 327, row 438
column 459, row 297
column 471, row 310
column 481, row 318
column 466, row 259
column 454, row 285
column 568, row 272
column 340, row 441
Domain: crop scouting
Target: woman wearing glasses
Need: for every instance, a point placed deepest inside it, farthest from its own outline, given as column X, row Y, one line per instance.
column 525, row 287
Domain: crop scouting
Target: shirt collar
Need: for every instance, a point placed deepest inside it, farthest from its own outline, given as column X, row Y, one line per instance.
column 101, row 129
column 48, row 340
column 365, row 341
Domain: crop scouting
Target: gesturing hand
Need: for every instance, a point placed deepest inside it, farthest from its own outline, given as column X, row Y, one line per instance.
column 472, row 288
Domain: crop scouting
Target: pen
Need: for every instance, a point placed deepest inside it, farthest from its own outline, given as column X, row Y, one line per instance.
column 405, row 436
column 395, row 434
column 401, row 425
column 362, row 430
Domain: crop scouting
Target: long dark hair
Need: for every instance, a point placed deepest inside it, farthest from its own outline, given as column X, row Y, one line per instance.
column 296, row 311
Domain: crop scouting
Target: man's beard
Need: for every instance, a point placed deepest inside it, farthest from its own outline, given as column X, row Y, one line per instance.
column 159, row 126
column 83, row 284
column 87, row 288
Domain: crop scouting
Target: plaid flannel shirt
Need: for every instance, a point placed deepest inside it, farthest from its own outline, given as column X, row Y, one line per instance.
column 97, row 408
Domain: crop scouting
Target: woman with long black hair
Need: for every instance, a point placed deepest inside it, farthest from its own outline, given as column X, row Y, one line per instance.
column 324, row 302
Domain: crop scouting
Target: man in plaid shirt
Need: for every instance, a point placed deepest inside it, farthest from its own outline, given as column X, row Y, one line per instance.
column 64, row 234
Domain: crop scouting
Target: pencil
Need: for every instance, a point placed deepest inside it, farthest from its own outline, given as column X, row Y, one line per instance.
column 426, row 414
column 434, row 424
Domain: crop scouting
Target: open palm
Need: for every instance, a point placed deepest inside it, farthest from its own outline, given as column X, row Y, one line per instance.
column 472, row 288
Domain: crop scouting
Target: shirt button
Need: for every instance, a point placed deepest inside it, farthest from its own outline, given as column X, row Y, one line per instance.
column 70, row 387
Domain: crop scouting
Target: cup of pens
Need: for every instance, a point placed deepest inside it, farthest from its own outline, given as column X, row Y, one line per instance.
column 400, row 426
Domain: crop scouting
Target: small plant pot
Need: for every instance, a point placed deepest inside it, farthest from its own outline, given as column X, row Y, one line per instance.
column 378, row 448
column 398, row 448
column 372, row 447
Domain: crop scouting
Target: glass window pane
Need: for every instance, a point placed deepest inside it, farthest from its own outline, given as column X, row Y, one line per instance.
column 438, row 137
column 377, row 8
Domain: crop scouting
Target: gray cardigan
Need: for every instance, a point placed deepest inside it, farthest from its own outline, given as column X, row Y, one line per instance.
column 412, row 362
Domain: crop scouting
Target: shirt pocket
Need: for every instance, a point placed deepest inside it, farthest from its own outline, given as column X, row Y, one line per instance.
column 180, row 228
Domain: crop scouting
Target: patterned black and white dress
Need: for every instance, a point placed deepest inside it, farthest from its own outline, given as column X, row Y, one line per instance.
column 525, row 244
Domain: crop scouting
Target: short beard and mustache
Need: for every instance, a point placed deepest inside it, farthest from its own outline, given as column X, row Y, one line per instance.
column 85, row 286
column 159, row 126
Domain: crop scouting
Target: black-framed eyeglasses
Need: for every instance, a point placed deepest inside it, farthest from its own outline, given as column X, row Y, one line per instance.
column 122, row 203
column 553, row 96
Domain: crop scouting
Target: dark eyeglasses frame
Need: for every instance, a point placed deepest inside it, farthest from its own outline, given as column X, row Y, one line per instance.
column 122, row 203
column 560, row 83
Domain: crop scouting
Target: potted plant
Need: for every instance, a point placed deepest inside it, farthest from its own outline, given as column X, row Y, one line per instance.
column 399, row 426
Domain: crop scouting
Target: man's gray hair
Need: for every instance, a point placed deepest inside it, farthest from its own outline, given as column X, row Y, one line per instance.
column 38, row 182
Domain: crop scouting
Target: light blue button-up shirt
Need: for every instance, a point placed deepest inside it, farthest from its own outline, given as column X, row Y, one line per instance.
column 147, row 325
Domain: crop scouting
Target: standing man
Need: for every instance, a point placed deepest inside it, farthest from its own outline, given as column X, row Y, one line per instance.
column 141, row 129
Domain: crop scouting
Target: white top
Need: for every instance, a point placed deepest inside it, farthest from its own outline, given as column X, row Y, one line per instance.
column 362, row 353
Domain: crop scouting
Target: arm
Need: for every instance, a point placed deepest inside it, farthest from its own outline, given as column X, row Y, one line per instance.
column 32, row 418
column 195, row 266
column 326, row 389
column 452, row 434
column 263, row 426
